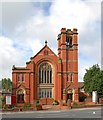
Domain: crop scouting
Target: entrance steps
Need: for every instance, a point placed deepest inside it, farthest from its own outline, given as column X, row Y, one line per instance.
column 51, row 107
column 54, row 107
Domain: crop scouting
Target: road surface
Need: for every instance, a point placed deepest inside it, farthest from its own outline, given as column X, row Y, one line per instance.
column 72, row 113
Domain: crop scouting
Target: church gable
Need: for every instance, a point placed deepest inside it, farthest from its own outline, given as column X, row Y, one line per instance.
column 44, row 52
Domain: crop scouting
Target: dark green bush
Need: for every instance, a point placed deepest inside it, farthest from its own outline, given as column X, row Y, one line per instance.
column 37, row 101
column 38, row 105
column 0, row 106
column 55, row 102
column 5, row 107
column 26, row 105
column 2, row 98
column 74, row 104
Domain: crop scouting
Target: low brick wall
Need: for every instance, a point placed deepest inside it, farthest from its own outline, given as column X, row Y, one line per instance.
column 87, row 106
column 90, row 103
column 100, row 100
column 46, row 101
column 20, row 104
column 64, row 108
column 88, row 99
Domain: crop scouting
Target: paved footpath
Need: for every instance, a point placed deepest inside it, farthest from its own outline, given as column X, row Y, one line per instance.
column 72, row 113
column 51, row 111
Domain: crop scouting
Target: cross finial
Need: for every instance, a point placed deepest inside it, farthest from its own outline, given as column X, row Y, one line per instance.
column 46, row 42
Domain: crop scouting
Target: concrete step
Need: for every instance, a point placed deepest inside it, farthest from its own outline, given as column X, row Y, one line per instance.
column 51, row 107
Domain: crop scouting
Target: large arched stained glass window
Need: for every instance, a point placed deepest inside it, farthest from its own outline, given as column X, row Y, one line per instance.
column 45, row 73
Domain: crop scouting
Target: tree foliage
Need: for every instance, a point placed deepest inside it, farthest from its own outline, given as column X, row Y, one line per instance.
column 93, row 80
column 6, row 84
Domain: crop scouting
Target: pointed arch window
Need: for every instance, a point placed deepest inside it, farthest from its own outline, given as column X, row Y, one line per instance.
column 44, row 80
column 45, row 74
column 69, row 41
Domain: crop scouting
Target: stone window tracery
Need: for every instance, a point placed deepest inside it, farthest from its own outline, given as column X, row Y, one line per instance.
column 45, row 92
column 45, row 79
column 45, row 74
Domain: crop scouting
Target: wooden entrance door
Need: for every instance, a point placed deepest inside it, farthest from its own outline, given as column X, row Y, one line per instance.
column 69, row 96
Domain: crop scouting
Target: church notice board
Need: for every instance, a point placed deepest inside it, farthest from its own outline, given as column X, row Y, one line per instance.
column 8, row 100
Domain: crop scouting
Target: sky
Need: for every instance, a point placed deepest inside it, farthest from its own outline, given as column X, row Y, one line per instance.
column 26, row 24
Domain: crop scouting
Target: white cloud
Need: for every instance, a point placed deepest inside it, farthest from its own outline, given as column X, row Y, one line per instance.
column 8, row 56
column 14, row 14
column 35, row 45
column 84, row 15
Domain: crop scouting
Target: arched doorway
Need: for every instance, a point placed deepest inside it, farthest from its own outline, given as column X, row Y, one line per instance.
column 70, row 94
column 20, row 96
column 45, row 81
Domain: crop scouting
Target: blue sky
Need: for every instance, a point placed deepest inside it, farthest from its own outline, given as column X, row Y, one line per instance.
column 26, row 25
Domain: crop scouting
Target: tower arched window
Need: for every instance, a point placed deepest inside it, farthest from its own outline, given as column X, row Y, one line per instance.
column 69, row 41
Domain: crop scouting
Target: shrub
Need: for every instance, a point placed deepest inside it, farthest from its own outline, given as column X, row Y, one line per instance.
column 2, row 99
column 38, row 105
column 37, row 101
column 74, row 104
column 55, row 102
column 26, row 105
column 10, row 106
column 101, row 96
column 5, row 107
column 0, row 106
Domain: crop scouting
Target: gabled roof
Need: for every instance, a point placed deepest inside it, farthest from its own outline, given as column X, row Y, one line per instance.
column 46, row 46
column 20, row 68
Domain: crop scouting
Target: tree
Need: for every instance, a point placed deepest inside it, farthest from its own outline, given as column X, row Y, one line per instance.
column 6, row 84
column 93, row 80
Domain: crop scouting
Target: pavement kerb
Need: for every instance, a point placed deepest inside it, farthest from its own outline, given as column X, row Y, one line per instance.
column 48, row 111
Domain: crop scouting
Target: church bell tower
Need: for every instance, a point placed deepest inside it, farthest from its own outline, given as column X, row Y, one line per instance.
column 68, row 64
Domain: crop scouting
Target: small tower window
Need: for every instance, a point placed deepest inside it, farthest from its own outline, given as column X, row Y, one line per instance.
column 18, row 77
column 22, row 77
column 71, row 78
column 69, row 41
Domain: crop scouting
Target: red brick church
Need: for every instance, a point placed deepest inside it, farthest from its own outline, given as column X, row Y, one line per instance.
column 49, row 77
